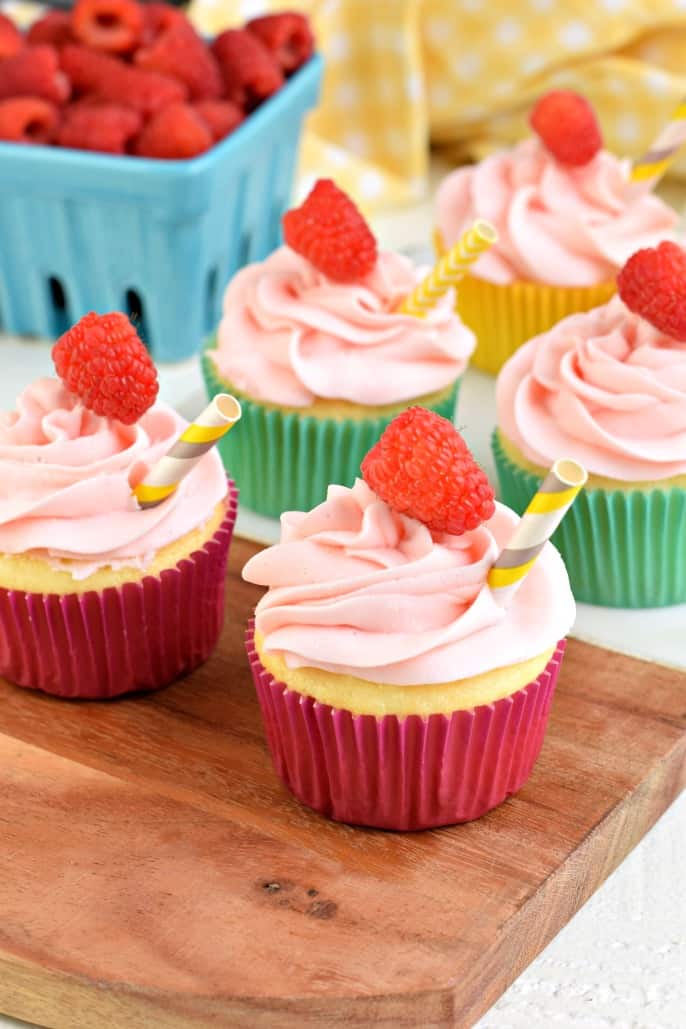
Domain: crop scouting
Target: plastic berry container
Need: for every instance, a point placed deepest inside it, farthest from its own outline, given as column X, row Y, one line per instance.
column 82, row 231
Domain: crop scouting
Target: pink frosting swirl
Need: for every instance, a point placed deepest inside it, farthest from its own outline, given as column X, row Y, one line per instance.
column 289, row 335
column 65, row 483
column 357, row 589
column 557, row 224
column 603, row 387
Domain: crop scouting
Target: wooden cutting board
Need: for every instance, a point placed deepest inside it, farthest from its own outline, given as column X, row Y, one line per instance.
column 154, row 873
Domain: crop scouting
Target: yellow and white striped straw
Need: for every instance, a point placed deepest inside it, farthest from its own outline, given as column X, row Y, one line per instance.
column 451, row 269
column 652, row 166
column 201, row 435
column 546, row 510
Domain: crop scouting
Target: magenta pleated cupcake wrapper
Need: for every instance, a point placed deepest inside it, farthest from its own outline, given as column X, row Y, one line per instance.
column 138, row 636
column 416, row 772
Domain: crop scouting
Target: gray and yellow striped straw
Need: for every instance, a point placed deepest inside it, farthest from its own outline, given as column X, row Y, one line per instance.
column 652, row 166
column 546, row 510
column 201, row 435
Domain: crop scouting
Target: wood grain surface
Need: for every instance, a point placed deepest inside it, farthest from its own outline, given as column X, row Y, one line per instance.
column 154, row 873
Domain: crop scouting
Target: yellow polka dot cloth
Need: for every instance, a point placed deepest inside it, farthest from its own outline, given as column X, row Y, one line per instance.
column 402, row 75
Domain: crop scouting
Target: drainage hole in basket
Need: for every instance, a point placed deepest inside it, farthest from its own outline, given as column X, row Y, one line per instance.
column 211, row 299
column 136, row 312
column 243, row 250
column 59, row 306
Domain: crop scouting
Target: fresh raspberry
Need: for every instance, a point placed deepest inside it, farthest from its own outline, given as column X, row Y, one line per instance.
column 98, row 126
column 112, row 80
column 250, row 72
column 114, row 26
column 180, row 53
column 174, row 133
column 287, row 36
column 331, row 233
column 220, row 116
column 103, row 362
column 11, row 40
column 53, row 28
column 34, row 71
column 27, row 119
column 157, row 18
column 652, row 284
column 567, row 126
column 423, row 468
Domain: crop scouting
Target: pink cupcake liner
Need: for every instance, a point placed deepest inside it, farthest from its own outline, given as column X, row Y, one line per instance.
column 138, row 636
column 403, row 773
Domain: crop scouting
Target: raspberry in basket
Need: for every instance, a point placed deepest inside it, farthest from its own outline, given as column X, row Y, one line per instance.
column 98, row 126
column 11, row 40
column 53, row 28
column 110, row 79
column 175, row 133
column 27, row 119
column 250, row 71
column 287, row 35
column 157, row 18
column 115, row 26
column 34, row 71
column 220, row 116
column 180, row 53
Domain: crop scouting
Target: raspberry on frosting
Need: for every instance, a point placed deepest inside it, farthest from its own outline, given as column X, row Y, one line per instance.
column 330, row 232
column 103, row 362
column 423, row 468
column 652, row 284
column 567, row 125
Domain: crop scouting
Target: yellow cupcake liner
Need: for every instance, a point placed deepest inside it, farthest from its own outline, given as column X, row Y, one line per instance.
column 504, row 317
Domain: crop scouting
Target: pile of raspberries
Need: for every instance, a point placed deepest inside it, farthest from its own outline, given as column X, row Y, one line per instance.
column 122, row 77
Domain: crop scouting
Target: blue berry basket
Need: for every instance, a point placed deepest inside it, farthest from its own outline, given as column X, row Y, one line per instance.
column 82, row 231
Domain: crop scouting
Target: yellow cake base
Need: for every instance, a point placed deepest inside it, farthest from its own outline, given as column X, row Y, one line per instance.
column 340, row 410
column 362, row 697
column 33, row 574
column 594, row 481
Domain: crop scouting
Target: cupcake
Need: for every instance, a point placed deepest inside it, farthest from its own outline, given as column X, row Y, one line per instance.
column 313, row 344
column 567, row 217
column 396, row 690
column 97, row 596
column 608, row 388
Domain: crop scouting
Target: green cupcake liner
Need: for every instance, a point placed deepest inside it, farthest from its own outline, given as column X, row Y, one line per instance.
column 621, row 548
column 285, row 462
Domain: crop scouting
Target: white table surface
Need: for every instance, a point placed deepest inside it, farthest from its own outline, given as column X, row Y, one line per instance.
column 621, row 961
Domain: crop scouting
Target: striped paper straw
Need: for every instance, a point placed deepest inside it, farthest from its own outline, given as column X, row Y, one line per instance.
column 451, row 269
column 540, row 520
column 201, row 435
column 652, row 166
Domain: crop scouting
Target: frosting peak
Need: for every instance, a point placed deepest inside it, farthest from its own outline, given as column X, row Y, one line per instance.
column 557, row 224
column 66, row 477
column 603, row 387
column 358, row 589
column 290, row 336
